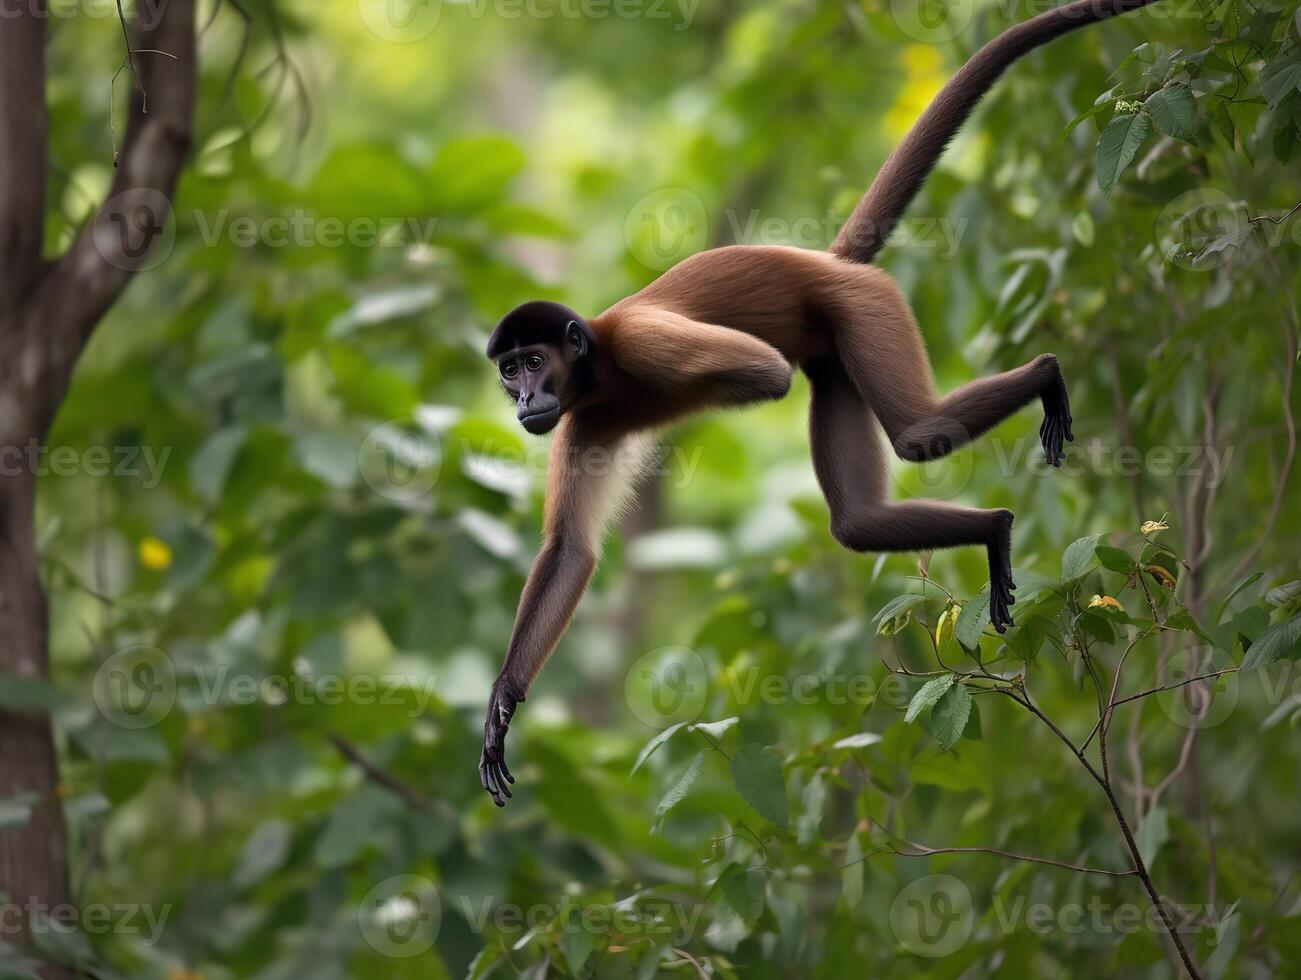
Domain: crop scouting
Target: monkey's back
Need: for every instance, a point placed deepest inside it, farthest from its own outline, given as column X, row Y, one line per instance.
column 773, row 292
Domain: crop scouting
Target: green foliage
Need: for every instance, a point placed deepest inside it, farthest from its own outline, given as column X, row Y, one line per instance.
column 329, row 547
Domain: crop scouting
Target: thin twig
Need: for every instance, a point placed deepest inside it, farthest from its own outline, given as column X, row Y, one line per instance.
column 927, row 851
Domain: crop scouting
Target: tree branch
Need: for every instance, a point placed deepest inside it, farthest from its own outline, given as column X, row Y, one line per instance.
column 76, row 293
column 23, row 125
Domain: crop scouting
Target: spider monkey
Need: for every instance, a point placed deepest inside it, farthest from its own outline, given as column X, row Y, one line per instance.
column 727, row 327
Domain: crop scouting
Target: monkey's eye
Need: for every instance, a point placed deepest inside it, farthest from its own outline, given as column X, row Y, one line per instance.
column 509, row 370
column 533, row 362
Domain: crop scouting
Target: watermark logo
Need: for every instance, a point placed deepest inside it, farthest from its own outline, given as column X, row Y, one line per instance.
column 401, row 916
column 932, row 21
column 932, row 916
column 135, row 687
column 1197, row 703
column 134, row 231
column 665, row 227
column 667, row 686
column 400, row 21
column 1202, row 229
column 400, row 459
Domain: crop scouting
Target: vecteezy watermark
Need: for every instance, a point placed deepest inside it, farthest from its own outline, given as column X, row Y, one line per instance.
column 513, row 464
column 1100, row 459
column 148, row 13
column 941, row 235
column 303, row 229
column 129, row 462
column 137, row 687
column 665, row 227
column 667, row 686
column 937, row 21
column 1204, row 229
column 400, row 459
column 403, row 21
column 35, row 917
column 135, row 230
column 401, row 916
column 932, row 916
column 1098, row 916
column 748, row 684
column 638, row 916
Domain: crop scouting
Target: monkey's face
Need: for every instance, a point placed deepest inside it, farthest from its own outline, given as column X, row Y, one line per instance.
column 537, row 378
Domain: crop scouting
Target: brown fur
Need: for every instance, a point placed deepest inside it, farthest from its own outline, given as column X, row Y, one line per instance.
column 727, row 328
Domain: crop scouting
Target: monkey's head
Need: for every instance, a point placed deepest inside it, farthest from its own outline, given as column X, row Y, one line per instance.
column 545, row 355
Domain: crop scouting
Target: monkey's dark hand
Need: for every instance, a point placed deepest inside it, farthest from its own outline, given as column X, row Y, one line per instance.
column 1056, row 425
column 493, row 774
column 1000, row 575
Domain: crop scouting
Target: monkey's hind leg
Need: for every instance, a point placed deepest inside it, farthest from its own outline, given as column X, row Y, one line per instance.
column 852, row 469
column 883, row 353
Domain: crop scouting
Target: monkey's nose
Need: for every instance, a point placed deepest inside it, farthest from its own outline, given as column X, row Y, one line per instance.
column 525, row 399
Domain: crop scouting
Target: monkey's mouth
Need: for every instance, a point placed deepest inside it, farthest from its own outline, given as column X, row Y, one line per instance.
column 540, row 423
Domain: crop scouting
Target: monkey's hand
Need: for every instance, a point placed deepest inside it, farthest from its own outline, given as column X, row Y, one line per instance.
column 1056, row 425
column 493, row 774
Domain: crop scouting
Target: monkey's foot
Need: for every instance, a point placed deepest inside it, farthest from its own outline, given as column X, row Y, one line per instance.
column 1056, row 426
column 1000, row 577
column 493, row 774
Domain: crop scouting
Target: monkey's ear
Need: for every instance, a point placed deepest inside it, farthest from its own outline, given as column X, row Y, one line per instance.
column 576, row 336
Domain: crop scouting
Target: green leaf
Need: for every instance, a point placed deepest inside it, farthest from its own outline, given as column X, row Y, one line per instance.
column 649, row 748
column 264, row 852
column 927, row 695
column 1152, row 833
column 1078, row 557
column 1174, row 110
column 471, row 173
column 353, row 824
column 973, row 732
column 743, row 889
column 851, row 878
column 679, row 790
column 1282, row 76
column 577, row 944
column 812, row 802
column 1277, row 642
column 895, row 614
column 949, row 716
column 1029, row 637
column 1284, row 595
column 972, row 620
column 1114, row 559
column 1117, row 146
column 757, row 775
column 1247, row 582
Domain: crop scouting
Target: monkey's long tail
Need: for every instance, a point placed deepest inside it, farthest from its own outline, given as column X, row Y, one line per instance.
column 907, row 167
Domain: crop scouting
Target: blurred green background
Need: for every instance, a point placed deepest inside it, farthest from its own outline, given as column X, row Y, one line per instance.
column 319, row 511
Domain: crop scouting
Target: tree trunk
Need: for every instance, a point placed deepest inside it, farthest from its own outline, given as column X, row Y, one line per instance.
column 33, row 861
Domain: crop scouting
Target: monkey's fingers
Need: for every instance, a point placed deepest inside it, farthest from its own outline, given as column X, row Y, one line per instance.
column 490, row 781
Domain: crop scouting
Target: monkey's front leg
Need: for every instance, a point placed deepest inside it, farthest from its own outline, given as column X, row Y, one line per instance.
column 555, row 584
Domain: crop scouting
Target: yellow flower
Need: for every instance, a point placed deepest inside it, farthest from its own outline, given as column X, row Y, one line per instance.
column 154, row 554
column 1105, row 602
column 1151, row 527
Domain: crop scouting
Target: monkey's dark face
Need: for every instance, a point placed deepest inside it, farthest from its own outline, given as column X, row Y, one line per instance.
column 537, row 377
column 544, row 354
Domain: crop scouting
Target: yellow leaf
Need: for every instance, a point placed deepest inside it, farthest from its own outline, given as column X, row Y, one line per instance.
column 1105, row 602
column 154, row 554
column 1162, row 575
column 1152, row 527
column 944, row 628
